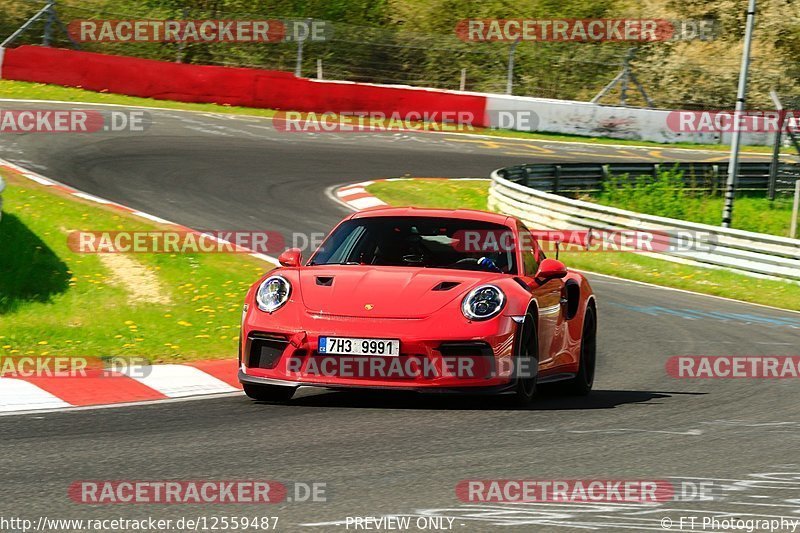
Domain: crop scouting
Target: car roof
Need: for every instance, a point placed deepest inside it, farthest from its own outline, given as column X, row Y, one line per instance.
column 466, row 214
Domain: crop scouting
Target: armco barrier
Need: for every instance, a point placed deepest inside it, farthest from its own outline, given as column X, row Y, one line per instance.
column 743, row 251
column 225, row 85
column 589, row 177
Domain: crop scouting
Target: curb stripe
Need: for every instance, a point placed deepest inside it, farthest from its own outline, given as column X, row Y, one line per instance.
column 356, row 196
column 178, row 381
column 364, row 203
column 19, row 395
column 225, row 370
column 96, row 389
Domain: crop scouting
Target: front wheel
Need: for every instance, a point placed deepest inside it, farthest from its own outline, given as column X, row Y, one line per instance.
column 582, row 383
column 527, row 363
column 268, row 393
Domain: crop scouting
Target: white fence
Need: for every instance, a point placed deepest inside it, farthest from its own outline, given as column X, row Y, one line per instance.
column 747, row 252
column 594, row 120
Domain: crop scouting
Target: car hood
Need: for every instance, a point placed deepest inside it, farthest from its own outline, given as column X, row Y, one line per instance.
column 384, row 292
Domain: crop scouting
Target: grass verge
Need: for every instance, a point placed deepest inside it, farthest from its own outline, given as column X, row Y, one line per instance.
column 669, row 196
column 41, row 91
column 53, row 301
column 472, row 194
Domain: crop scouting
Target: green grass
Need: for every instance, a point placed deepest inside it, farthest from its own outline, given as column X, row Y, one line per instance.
column 469, row 194
column 41, row 91
column 54, row 301
column 667, row 196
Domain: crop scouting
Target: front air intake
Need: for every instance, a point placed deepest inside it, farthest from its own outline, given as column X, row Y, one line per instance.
column 265, row 350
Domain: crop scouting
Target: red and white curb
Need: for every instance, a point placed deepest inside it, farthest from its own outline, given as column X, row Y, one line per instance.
column 157, row 382
column 357, row 197
column 147, row 384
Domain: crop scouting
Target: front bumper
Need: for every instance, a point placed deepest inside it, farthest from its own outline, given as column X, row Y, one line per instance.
column 430, row 359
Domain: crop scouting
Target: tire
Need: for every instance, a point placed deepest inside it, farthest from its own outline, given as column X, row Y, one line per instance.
column 528, row 347
column 582, row 383
column 268, row 393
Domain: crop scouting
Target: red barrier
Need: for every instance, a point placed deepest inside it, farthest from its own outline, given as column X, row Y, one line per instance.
column 225, row 85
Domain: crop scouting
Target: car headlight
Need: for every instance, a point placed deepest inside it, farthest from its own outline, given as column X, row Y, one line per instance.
column 483, row 302
column 273, row 293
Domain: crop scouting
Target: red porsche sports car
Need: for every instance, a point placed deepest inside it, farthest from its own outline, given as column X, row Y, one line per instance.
column 420, row 299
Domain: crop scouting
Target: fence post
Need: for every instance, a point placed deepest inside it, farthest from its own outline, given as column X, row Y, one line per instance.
column 776, row 155
column 463, row 85
column 510, row 80
column 795, row 209
column 298, row 68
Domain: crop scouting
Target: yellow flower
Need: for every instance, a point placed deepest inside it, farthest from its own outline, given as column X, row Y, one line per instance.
column 42, row 343
column 184, row 323
column 117, row 336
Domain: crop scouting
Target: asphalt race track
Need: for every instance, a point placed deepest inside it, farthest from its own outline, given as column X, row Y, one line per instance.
column 394, row 454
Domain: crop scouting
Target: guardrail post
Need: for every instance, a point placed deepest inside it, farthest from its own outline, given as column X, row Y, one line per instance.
column 656, row 170
column 556, row 178
column 606, row 169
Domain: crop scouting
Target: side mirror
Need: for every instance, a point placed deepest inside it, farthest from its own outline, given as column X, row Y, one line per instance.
column 290, row 258
column 551, row 269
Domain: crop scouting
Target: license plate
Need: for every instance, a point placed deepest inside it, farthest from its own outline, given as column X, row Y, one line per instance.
column 356, row 346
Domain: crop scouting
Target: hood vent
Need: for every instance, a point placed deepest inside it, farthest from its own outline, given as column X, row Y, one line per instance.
column 325, row 281
column 446, row 285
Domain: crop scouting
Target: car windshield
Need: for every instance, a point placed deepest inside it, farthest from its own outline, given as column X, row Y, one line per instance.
column 420, row 242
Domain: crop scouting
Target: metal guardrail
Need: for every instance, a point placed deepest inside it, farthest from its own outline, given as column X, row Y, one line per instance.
column 589, row 177
column 746, row 252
